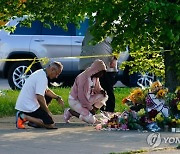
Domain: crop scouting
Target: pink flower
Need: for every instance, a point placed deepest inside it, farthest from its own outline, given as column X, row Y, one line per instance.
column 98, row 127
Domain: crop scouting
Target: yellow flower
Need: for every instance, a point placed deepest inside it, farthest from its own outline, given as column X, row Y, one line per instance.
column 161, row 93
column 141, row 112
column 138, row 92
column 159, row 117
column 132, row 98
column 178, row 121
column 173, row 120
column 177, row 89
column 155, row 86
column 178, row 106
column 136, row 95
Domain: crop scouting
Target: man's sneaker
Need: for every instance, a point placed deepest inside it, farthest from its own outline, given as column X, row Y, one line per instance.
column 20, row 120
column 67, row 115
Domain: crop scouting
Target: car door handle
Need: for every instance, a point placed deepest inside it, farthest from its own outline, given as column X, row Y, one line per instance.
column 39, row 40
column 78, row 41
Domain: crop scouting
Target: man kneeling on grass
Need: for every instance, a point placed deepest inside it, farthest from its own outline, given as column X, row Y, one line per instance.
column 35, row 96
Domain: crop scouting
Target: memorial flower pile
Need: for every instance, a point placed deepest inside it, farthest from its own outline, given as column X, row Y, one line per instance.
column 152, row 108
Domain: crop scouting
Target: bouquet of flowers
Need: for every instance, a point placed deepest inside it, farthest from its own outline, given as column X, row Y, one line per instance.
column 121, row 121
column 136, row 99
column 173, row 101
column 157, row 106
column 152, row 108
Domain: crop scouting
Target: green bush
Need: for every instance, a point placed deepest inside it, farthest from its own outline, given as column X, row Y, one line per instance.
column 9, row 97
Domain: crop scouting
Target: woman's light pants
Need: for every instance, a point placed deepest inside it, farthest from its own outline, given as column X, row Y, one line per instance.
column 98, row 100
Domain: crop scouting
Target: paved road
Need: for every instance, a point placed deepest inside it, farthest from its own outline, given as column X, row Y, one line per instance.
column 74, row 138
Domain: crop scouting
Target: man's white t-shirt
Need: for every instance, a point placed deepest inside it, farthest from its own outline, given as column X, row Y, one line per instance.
column 37, row 83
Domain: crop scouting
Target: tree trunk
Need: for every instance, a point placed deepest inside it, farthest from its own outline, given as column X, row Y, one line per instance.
column 171, row 81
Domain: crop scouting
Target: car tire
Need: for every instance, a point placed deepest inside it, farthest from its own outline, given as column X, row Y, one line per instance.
column 16, row 76
column 141, row 80
column 137, row 79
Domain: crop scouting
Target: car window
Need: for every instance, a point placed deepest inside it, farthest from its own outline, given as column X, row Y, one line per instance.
column 56, row 30
column 33, row 30
column 83, row 28
column 37, row 29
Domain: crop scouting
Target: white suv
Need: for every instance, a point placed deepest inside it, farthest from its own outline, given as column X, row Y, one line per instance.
column 39, row 42
column 56, row 44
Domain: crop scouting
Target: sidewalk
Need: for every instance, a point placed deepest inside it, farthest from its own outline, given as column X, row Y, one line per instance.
column 75, row 138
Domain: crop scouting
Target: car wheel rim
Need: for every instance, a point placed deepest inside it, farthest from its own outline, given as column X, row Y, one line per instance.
column 145, row 79
column 19, row 76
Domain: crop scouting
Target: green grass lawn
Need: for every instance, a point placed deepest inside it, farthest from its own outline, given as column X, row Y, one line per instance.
column 7, row 101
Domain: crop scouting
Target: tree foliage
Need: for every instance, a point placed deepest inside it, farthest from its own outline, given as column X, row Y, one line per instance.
column 147, row 26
